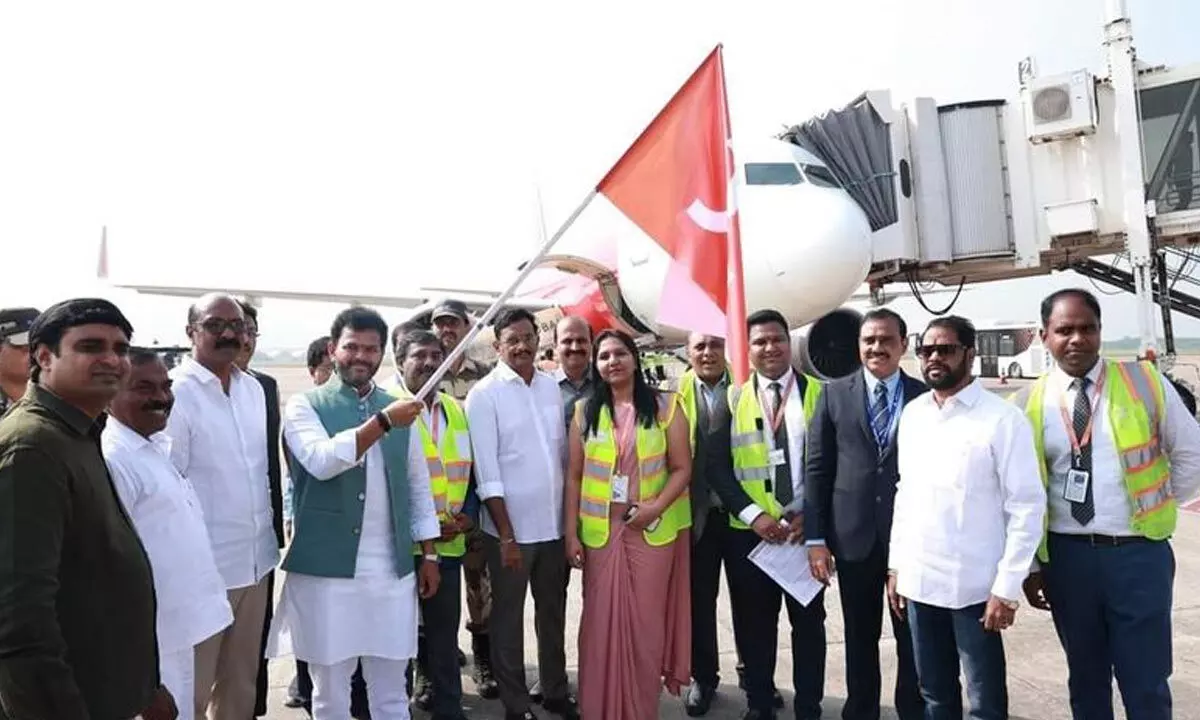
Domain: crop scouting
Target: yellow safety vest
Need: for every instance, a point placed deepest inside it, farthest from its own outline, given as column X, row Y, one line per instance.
column 599, row 464
column 1134, row 397
column 687, row 398
column 751, row 453
column 449, row 468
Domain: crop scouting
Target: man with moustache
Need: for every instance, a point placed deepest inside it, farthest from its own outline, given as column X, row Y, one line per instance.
column 445, row 436
column 192, row 605
column 968, row 516
column 704, row 393
column 219, row 442
column 573, row 347
column 14, row 354
column 274, row 472
column 1119, row 453
column 764, row 495
column 299, row 691
column 452, row 322
column 77, row 605
column 517, row 435
column 351, row 589
column 850, row 488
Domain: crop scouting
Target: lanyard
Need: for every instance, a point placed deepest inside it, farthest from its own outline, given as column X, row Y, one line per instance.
column 777, row 419
column 625, row 432
column 435, row 420
column 1078, row 443
column 893, row 406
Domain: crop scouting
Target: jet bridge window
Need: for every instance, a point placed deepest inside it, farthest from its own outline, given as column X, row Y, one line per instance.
column 773, row 174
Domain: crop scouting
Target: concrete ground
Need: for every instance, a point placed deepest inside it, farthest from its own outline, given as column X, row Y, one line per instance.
column 1036, row 667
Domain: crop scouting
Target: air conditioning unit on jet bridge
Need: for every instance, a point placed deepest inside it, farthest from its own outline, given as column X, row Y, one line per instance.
column 1060, row 107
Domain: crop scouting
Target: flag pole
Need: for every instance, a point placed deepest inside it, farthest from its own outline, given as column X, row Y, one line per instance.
column 737, row 341
column 498, row 303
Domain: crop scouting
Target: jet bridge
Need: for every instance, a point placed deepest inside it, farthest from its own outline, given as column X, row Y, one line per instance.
column 1052, row 179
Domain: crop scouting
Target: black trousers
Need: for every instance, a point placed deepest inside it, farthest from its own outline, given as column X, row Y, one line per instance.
column 707, row 555
column 756, row 599
column 862, row 586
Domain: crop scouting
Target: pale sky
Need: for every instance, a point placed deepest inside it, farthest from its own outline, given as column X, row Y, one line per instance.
column 388, row 145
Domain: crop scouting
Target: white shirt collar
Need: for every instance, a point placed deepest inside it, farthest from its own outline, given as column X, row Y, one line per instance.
column 507, row 374
column 1063, row 380
column 764, row 382
column 191, row 366
column 128, row 438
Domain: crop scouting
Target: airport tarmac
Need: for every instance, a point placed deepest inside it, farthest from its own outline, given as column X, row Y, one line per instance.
column 1036, row 667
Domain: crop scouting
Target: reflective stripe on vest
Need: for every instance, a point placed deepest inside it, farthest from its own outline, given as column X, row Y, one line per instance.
column 600, row 460
column 449, row 468
column 1134, row 398
column 748, row 442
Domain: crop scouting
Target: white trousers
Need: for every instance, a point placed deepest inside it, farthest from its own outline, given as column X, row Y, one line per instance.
column 177, row 671
column 386, row 693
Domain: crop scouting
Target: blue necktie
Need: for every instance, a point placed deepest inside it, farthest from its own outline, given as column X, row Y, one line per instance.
column 881, row 416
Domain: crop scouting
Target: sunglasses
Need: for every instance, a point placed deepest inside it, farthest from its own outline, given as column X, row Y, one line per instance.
column 943, row 350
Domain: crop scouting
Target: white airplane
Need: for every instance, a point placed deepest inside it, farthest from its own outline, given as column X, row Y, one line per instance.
column 806, row 247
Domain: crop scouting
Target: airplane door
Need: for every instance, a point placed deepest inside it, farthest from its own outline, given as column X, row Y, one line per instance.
column 989, row 361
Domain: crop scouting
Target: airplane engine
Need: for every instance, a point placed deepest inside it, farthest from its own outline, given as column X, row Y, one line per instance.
column 828, row 348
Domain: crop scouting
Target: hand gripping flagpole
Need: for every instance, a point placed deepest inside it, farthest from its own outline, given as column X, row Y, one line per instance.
column 499, row 302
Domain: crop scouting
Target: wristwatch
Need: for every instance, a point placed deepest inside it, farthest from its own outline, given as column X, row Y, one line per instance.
column 431, row 557
column 382, row 418
column 1010, row 604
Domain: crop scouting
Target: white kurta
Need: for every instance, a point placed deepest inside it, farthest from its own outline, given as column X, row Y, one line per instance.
column 374, row 614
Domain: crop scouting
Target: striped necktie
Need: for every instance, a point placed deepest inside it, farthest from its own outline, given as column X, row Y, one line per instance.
column 1083, row 511
column 881, row 416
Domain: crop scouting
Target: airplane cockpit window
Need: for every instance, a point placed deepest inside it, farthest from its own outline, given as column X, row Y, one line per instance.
column 820, row 176
column 773, row 174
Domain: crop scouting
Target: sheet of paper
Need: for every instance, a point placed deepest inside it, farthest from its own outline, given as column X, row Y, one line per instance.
column 787, row 565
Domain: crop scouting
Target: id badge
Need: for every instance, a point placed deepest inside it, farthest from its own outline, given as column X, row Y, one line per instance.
column 620, row 489
column 776, row 458
column 1075, row 489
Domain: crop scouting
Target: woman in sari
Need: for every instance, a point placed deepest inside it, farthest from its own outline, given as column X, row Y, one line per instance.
column 627, row 516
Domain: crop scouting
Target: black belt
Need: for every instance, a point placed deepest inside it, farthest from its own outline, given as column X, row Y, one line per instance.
column 1105, row 540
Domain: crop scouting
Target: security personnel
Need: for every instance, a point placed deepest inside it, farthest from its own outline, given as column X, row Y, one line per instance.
column 14, row 354
column 1120, row 454
column 443, row 429
column 765, row 499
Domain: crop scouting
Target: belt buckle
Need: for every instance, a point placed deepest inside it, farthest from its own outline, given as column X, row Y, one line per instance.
column 1104, row 540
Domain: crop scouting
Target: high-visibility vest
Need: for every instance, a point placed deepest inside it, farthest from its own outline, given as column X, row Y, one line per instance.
column 1134, row 398
column 751, row 453
column 449, row 467
column 687, row 398
column 600, row 463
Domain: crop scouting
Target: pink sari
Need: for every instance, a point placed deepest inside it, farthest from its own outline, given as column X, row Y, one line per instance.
column 635, row 636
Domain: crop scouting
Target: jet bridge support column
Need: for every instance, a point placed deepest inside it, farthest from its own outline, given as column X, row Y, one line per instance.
column 1122, row 67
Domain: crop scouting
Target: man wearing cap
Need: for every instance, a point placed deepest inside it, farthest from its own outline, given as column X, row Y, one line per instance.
column 14, row 354
column 452, row 322
column 77, row 605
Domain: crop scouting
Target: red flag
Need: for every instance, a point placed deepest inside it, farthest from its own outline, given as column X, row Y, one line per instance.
column 676, row 183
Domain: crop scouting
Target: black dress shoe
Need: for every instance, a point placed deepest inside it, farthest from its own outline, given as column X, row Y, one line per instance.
column 759, row 715
column 566, row 708
column 698, row 699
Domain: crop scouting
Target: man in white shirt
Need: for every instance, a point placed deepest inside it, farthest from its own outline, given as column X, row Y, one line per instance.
column 1118, row 459
column 218, row 431
column 517, row 434
column 764, row 494
column 968, row 516
column 192, row 605
column 351, row 589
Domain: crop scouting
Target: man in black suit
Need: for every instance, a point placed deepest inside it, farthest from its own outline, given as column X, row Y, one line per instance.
column 704, row 391
column 271, row 390
column 850, row 490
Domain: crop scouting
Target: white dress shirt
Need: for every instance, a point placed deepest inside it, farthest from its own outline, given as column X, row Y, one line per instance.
column 1180, row 435
column 326, row 620
column 797, row 428
column 518, row 440
column 970, row 502
column 219, row 443
column 192, row 602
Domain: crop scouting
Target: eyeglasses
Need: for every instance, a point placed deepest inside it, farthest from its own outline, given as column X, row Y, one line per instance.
column 216, row 326
column 943, row 350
